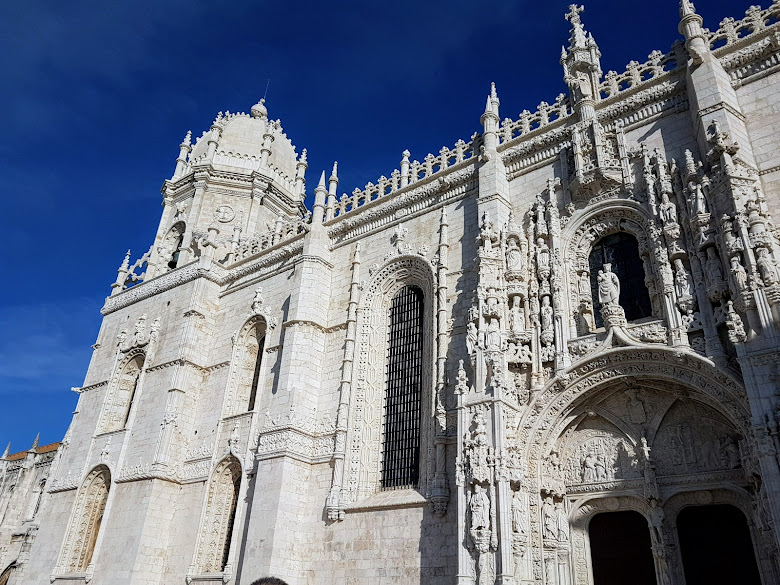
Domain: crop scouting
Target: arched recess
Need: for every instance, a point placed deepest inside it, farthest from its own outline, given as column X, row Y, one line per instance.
column 580, row 519
column 86, row 521
column 170, row 247
column 247, row 374
column 215, row 536
column 123, row 391
column 627, row 428
column 364, row 433
column 744, row 501
column 604, row 220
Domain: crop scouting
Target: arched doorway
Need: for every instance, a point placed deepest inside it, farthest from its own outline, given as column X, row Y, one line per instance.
column 620, row 549
column 716, row 547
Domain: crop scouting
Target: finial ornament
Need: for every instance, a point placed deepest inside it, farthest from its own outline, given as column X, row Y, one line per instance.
column 573, row 15
column 6, row 452
column 36, row 442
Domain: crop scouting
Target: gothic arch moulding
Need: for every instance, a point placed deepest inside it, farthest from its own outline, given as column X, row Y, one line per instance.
column 368, row 383
column 122, row 391
column 86, row 520
column 247, row 366
column 681, row 375
column 602, row 220
column 218, row 520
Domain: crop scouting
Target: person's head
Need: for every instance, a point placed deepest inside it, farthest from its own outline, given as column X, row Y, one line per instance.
column 269, row 581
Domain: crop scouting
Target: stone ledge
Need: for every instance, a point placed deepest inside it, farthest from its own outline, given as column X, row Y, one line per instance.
column 389, row 500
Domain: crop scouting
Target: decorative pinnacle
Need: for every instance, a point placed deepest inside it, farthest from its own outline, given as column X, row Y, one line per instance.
column 7, row 451
column 577, row 38
column 303, row 160
column 321, row 184
column 187, row 139
column 35, row 442
column 687, row 8
column 334, row 174
column 126, row 262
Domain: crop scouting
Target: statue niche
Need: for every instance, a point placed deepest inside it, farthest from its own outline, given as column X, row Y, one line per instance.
column 620, row 252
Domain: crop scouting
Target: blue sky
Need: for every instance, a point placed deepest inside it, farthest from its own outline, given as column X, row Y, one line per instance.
column 97, row 96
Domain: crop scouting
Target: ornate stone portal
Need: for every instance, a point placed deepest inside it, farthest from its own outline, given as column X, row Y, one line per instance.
column 599, row 301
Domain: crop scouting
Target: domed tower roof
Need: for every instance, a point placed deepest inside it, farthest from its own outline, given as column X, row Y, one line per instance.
column 249, row 142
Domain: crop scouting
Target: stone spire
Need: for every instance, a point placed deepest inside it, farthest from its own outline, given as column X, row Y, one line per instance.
column 35, row 442
column 691, row 27
column 7, row 451
column 581, row 65
column 490, row 119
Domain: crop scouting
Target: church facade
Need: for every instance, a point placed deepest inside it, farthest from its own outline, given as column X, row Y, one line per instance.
column 547, row 355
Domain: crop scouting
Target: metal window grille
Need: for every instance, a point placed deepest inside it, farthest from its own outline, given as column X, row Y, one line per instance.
column 401, row 422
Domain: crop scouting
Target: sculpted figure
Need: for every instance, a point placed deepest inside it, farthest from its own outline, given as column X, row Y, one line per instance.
column 739, row 273
column 542, row 256
column 656, row 522
column 550, row 520
column 609, row 286
column 668, row 210
column 519, row 514
column 601, row 469
column 563, row 522
column 493, row 340
column 766, row 267
column 514, row 257
column 480, row 509
column 547, row 314
column 589, row 468
column 471, row 337
column 517, row 317
column 683, row 283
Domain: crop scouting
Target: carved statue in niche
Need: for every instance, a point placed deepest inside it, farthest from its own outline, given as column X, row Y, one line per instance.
column 471, row 338
column 700, row 202
column 514, row 256
column 683, row 283
column 635, row 407
column 584, row 286
column 517, row 315
column 519, row 513
column 668, row 210
column 546, row 315
column 550, row 520
column 730, row 453
column 563, row 522
column 739, row 273
column 609, row 286
column 479, row 506
column 589, row 468
column 493, row 337
column 542, row 258
column 766, row 267
column 656, row 521
column 517, row 353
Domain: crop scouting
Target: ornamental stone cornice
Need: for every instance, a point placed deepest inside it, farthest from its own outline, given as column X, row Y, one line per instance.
column 407, row 201
column 214, row 273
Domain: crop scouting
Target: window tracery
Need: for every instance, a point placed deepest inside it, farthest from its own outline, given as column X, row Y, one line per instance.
column 247, row 378
column 86, row 521
column 219, row 519
column 122, row 396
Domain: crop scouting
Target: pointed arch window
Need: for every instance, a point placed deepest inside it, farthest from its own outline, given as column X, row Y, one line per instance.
column 621, row 250
column 403, row 391
column 255, row 346
column 86, row 521
column 124, row 394
column 220, row 515
column 248, row 380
